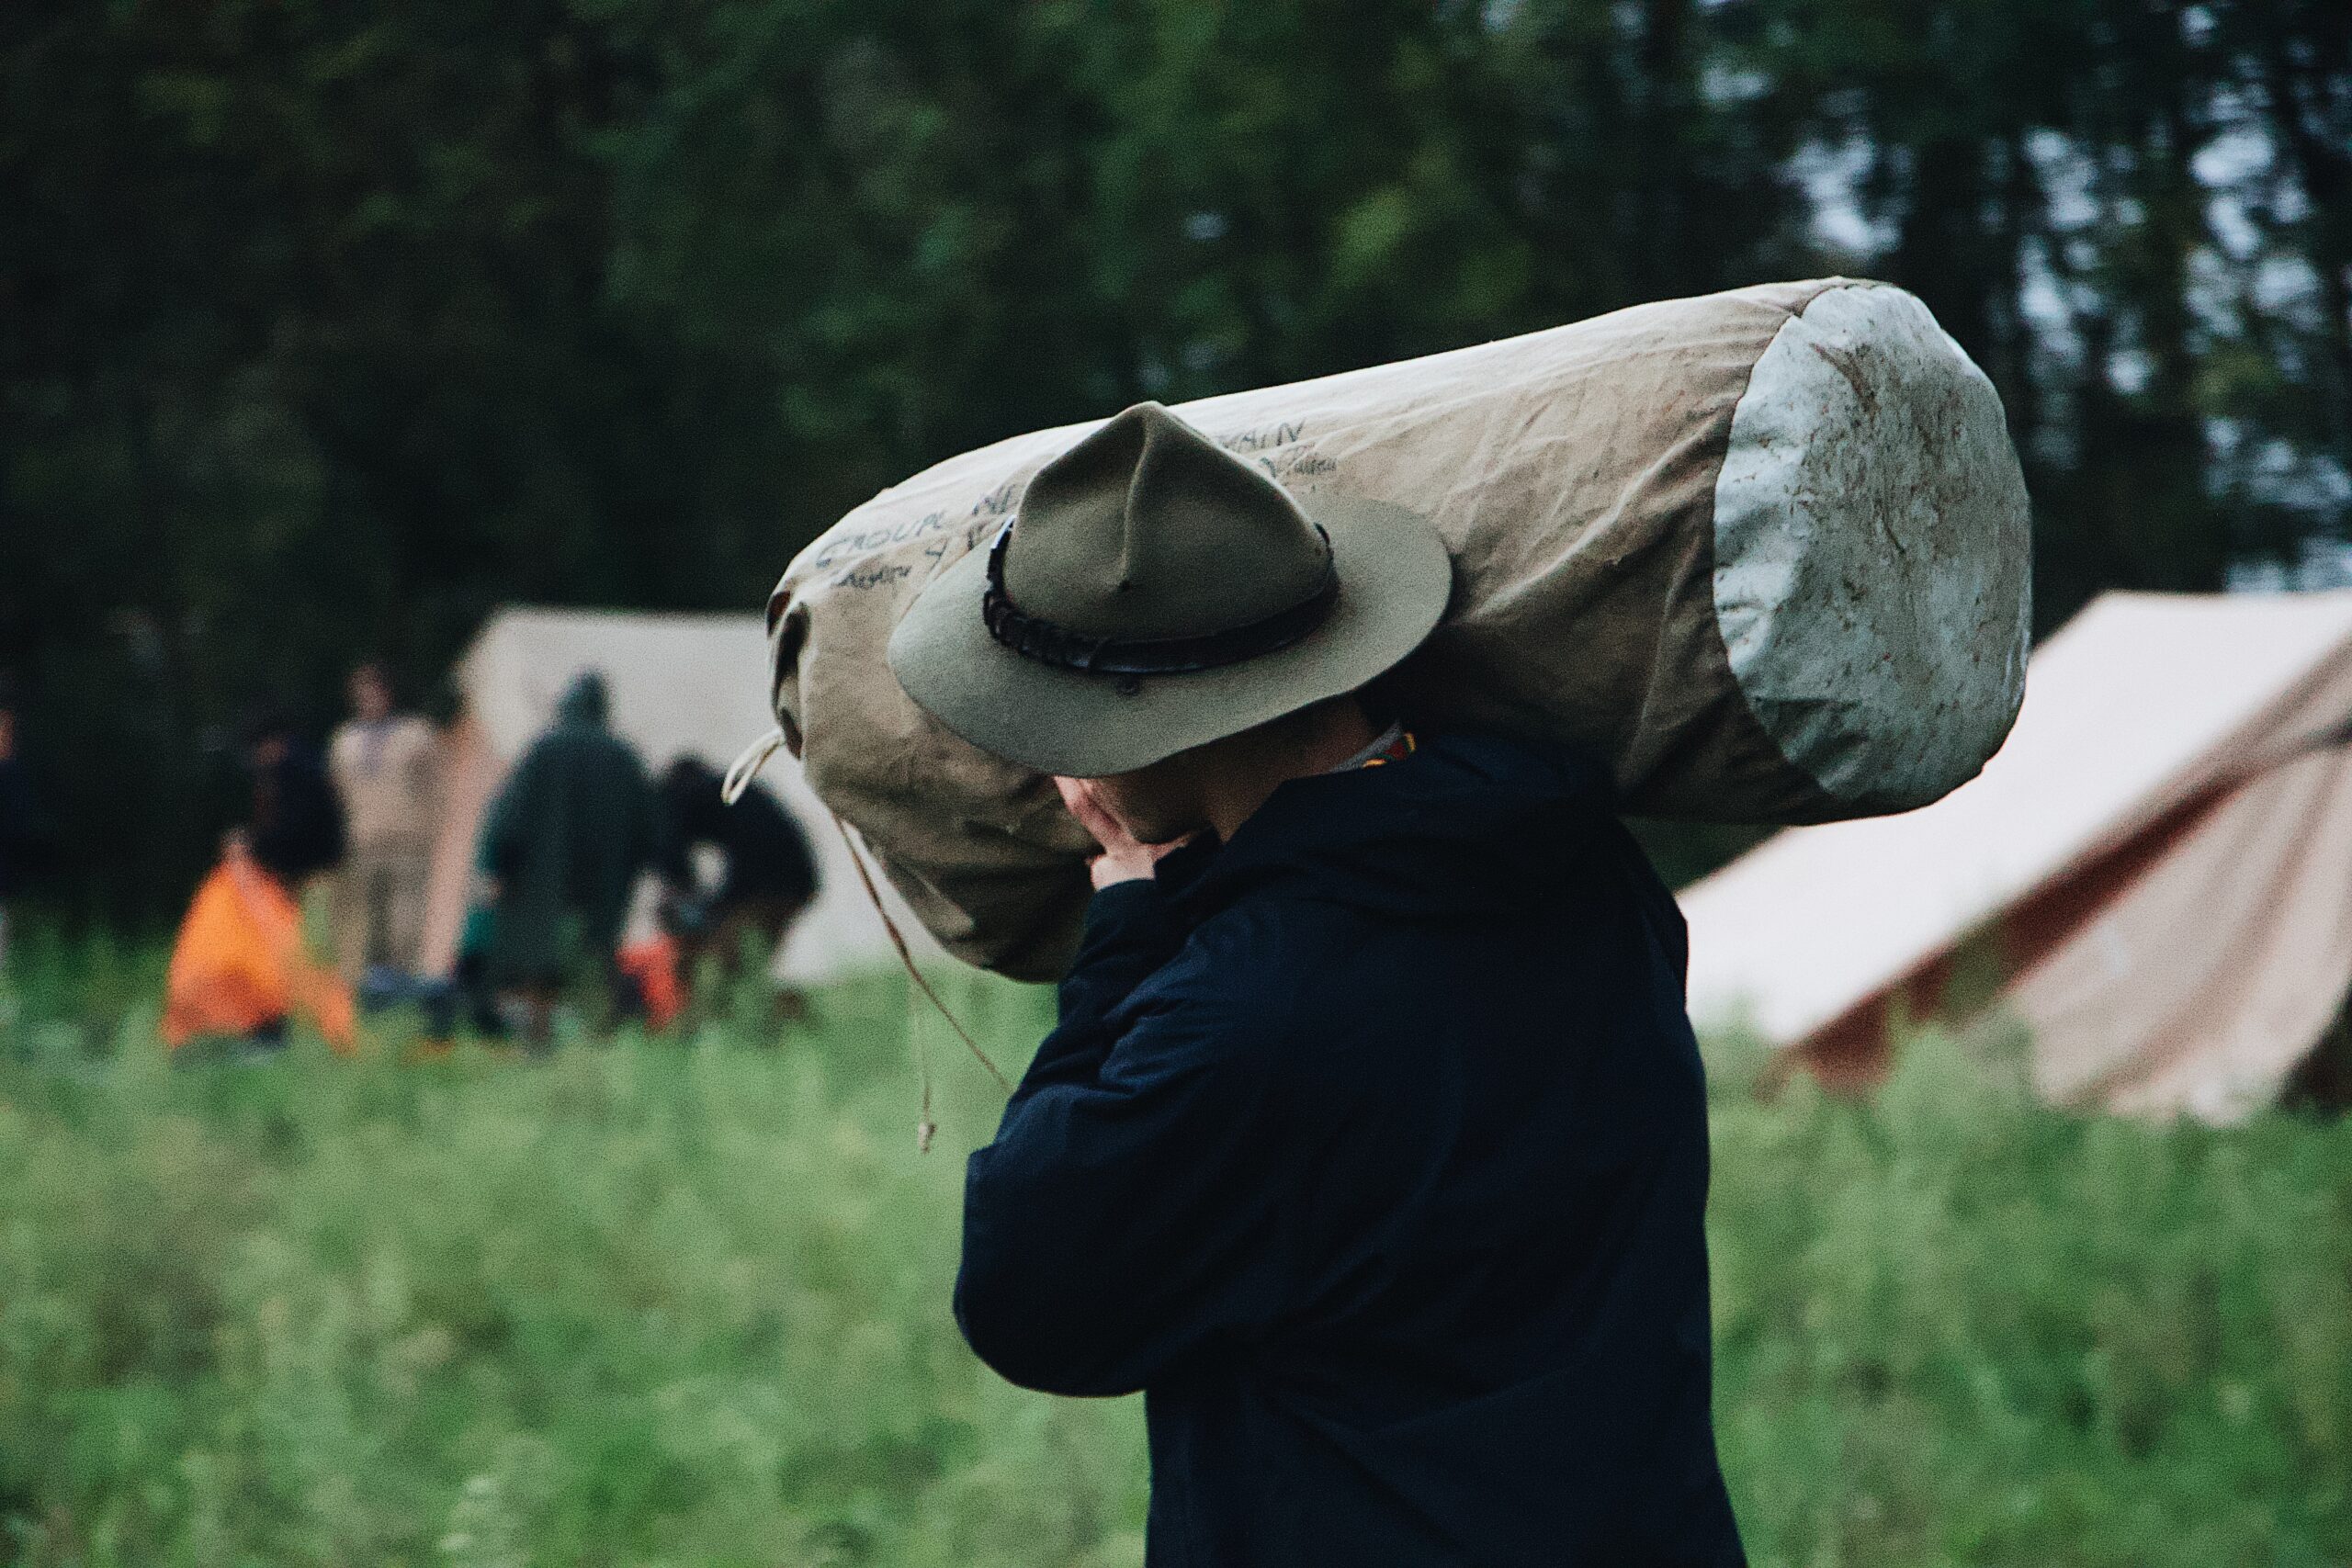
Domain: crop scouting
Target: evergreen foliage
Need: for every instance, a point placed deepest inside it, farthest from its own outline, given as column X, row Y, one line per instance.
column 325, row 329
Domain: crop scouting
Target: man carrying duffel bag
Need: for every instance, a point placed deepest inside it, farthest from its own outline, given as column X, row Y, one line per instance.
column 1372, row 1144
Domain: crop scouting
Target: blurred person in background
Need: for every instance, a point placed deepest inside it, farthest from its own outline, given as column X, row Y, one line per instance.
column 239, row 967
column 562, row 844
column 296, row 830
column 385, row 767
column 24, row 832
column 767, row 878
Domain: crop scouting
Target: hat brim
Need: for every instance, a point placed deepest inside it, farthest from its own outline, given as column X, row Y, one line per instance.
column 1395, row 580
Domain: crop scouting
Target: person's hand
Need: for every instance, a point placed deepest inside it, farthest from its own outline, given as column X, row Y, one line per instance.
column 1125, row 858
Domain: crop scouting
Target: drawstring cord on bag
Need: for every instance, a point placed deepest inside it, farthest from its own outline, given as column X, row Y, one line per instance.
column 906, row 957
column 745, row 768
column 748, row 764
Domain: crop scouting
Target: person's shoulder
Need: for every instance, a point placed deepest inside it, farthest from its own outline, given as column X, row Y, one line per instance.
column 612, row 743
column 594, row 749
column 1230, row 991
column 1489, row 757
column 1312, row 951
column 545, row 747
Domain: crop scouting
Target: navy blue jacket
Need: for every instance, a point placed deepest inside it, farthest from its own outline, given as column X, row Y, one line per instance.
column 1372, row 1146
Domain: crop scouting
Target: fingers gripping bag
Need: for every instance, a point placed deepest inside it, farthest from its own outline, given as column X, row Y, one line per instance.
column 1764, row 552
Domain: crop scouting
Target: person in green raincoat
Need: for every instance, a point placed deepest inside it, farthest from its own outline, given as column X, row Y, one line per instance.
column 563, row 844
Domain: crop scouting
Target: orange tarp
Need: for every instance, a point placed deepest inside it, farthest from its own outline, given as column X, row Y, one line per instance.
column 239, row 964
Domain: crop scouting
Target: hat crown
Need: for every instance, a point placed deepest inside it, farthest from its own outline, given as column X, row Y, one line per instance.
column 1147, row 529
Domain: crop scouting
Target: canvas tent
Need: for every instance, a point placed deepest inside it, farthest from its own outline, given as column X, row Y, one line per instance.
column 680, row 684
column 2155, row 874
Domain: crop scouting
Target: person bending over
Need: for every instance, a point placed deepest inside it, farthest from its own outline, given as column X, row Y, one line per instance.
column 767, row 876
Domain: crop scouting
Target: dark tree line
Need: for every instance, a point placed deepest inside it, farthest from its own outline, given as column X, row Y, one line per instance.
column 326, row 327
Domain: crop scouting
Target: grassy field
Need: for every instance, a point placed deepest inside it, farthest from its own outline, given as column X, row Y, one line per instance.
column 666, row 1302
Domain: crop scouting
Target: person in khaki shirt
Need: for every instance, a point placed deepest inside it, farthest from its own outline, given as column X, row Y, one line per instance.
column 386, row 768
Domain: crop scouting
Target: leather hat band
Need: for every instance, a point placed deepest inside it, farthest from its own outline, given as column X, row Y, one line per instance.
column 1034, row 637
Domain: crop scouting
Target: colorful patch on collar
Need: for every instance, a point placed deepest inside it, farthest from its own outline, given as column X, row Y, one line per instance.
column 1400, row 748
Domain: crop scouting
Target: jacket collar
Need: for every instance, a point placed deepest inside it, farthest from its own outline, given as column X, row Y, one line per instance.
column 1468, row 823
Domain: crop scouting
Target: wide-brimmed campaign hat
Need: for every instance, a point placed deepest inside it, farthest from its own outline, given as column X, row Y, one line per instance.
column 1153, row 593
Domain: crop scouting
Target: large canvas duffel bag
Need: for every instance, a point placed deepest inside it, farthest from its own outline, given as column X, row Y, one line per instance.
column 1764, row 551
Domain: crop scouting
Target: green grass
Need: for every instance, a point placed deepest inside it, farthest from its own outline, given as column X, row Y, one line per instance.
column 686, row 1304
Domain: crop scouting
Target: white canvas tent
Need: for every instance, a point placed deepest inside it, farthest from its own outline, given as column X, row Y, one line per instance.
column 680, row 685
column 2155, row 873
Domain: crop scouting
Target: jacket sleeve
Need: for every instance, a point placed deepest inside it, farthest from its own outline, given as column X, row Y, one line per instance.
column 1129, row 1212
column 1130, row 933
